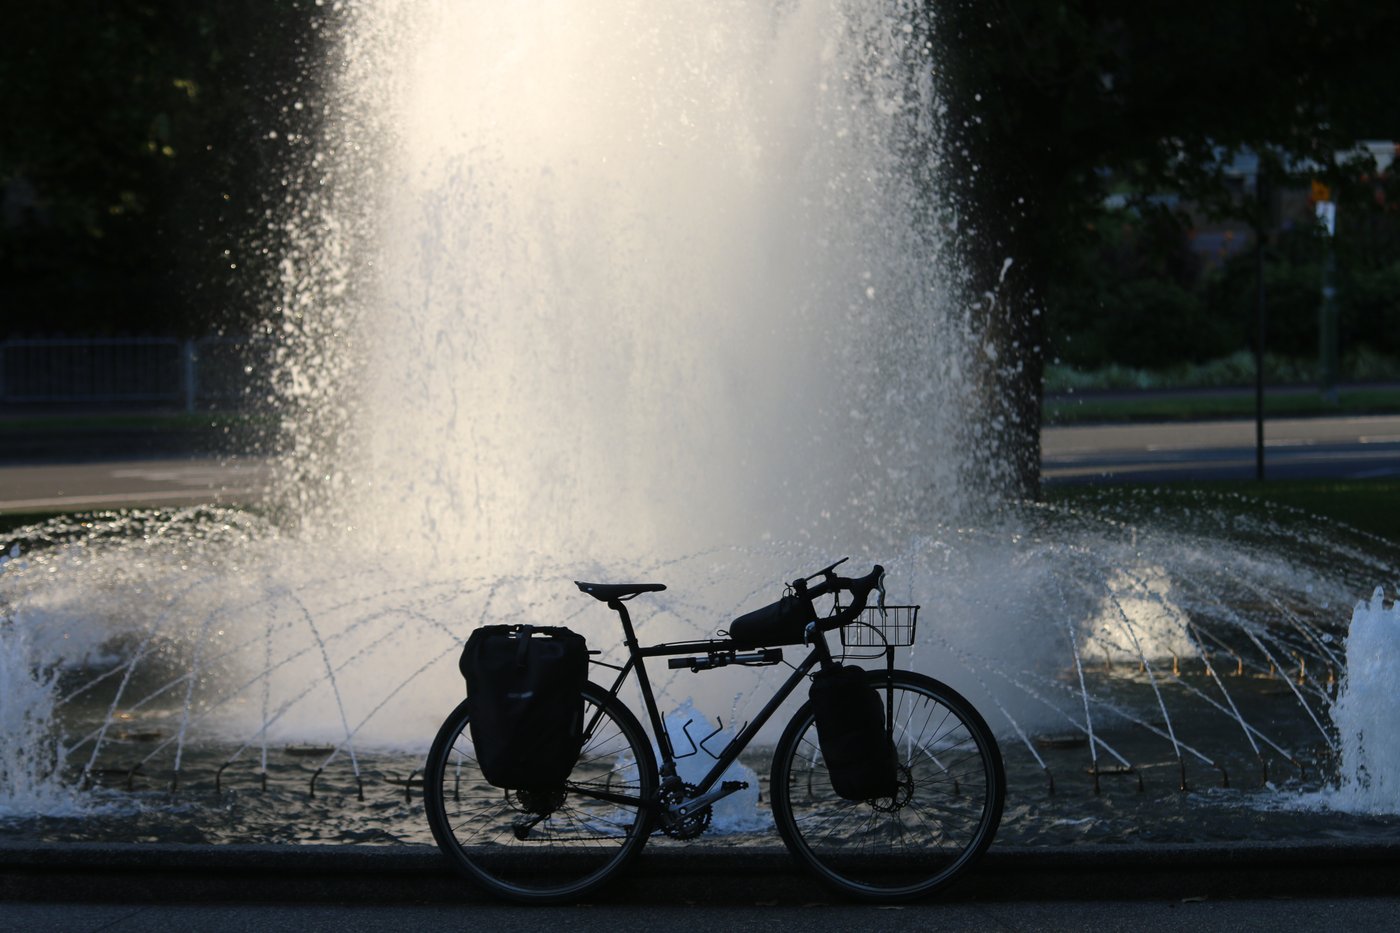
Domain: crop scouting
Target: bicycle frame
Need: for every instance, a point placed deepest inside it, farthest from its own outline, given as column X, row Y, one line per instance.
column 636, row 661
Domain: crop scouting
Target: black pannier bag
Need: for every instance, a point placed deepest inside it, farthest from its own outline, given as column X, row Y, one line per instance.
column 858, row 751
column 781, row 623
column 525, row 697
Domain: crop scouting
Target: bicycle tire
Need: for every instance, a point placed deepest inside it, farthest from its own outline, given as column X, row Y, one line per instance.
column 542, row 848
column 945, row 815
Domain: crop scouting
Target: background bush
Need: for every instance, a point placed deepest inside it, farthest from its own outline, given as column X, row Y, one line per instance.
column 1134, row 305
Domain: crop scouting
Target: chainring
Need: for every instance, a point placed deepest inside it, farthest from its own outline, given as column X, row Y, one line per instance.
column 689, row 826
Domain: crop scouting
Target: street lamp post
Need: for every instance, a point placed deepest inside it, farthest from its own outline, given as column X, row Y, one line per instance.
column 1261, row 318
column 1326, row 209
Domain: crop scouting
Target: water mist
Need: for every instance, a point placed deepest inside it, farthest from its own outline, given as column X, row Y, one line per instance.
column 641, row 278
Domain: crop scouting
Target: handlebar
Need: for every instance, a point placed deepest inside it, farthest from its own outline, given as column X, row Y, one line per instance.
column 858, row 587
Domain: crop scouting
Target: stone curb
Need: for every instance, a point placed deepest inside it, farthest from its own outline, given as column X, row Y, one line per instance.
column 173, row 873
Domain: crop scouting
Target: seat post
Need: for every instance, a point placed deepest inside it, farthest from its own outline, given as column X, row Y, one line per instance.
column 629, row 636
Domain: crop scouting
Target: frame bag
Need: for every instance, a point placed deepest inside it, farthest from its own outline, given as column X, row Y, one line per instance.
column 525, row 698
column 780, row 623
column 855, row 744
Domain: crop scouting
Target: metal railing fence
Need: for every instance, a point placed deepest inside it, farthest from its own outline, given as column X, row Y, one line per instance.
column 165, row 372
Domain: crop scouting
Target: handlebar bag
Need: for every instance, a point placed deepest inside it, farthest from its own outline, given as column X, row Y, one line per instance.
column 780, row 623
column 856, row 746
column 525, row 700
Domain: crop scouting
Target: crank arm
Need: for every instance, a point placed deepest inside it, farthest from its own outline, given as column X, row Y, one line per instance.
column 705, row 799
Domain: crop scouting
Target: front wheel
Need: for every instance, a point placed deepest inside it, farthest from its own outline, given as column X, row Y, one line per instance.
column 942, row 817
column 544, row 846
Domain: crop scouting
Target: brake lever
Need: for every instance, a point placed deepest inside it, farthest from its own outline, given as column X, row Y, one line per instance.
column 880, row 602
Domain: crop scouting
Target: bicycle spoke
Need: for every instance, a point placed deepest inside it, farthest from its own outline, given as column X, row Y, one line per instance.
column 943, row 814
column 544, row 846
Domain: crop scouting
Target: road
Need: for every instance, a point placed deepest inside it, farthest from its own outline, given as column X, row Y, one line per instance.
column 1295, row 448
column 63, row 487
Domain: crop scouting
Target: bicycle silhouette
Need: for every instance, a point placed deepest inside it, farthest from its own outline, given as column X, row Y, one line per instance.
column 557, row 845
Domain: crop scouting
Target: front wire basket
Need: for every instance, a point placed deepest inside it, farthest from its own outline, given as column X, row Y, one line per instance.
column 893, row 628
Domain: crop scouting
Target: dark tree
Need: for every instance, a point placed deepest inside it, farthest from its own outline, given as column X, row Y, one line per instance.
column 1049, row 100
column 137, row 161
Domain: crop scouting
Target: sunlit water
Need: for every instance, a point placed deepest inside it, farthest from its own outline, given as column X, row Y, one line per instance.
column 657, row 291
column 243, row 699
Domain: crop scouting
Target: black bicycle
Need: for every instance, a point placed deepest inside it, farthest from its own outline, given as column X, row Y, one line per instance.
column 938, row 817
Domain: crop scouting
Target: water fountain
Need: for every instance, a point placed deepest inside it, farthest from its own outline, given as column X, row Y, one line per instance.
column 646, row 290
column 1368, row 779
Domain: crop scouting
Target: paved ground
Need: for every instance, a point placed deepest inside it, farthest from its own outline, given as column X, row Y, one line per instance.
column 1265, row 915
column 1294, row 448
column 1355, row 448
column 129, row 483
column 678, row 874
column 1242, row 886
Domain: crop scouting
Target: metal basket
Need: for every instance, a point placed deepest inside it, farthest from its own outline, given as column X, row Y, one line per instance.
column 894, row 628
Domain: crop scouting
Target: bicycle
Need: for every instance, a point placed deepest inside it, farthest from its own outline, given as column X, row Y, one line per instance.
column 554, row 846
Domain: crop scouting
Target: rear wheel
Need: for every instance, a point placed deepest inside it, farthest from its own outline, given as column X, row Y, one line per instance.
column 942, row 817
column 544, row 846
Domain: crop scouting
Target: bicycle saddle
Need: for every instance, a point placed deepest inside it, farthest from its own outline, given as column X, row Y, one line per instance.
column 610, row 591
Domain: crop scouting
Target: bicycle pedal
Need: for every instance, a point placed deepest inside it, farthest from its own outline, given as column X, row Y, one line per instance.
column 730, row 787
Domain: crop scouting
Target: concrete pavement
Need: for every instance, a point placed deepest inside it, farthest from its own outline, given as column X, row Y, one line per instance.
column 1244, row 886
column 678, row 874
column 1272, row 915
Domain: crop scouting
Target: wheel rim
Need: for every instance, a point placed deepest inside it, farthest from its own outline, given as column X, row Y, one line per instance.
column 941, row 818
column 541, row 845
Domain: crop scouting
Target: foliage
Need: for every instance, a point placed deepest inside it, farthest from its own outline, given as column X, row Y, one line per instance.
column 1050, row 103
column 1234, row 370
column 1145, row 312
column 1370, row 314
column 135, row 156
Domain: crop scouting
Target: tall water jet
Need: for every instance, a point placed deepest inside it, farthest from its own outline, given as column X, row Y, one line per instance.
column 31, row 755
column 634, row 278
column 1365, row 712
